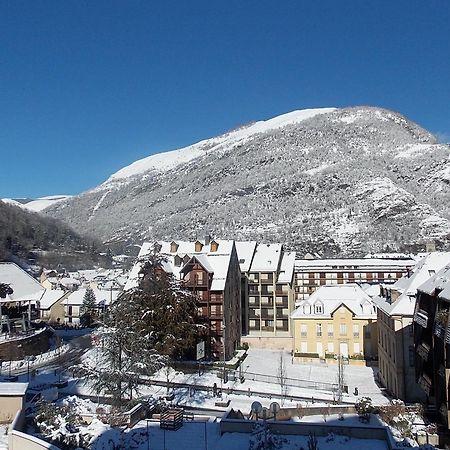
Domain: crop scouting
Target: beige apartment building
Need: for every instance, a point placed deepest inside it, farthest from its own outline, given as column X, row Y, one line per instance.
column 270, row 297
column 336, row 320
column 310, row 274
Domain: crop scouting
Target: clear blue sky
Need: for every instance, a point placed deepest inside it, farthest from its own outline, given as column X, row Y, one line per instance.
column 87, row 87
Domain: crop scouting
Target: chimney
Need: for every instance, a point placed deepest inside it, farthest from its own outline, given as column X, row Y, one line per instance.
column 207, row 239
column 431, row 246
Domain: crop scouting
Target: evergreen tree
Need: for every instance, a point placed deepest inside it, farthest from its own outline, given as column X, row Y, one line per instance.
column 89, row 308
column 143, row 328
column 5, row 289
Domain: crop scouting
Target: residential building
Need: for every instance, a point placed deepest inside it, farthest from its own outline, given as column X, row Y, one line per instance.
column 270, row 297
column 310, row 274
column 432, row 341
column 210, row 269
column 50, row 306
column 73, row 304
column 336, row 320
column 395, row 312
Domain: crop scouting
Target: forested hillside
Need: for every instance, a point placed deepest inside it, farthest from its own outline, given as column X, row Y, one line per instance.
column 33, row 238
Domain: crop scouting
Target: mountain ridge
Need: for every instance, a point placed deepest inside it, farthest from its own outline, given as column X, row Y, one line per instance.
column 342, row 181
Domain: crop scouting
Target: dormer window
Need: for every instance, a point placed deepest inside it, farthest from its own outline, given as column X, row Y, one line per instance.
column 214, row 246
column 306, row 308
column 177, row 260
column 318, row 308
column 198, row 246
column 186, row 259
column 173, row 247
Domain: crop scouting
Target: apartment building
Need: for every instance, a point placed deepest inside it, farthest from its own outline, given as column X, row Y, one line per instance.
column 310, row 274
column 396, row 304
column 210, row 269
column 270, row 296
column 432, row 341
column 336, row 320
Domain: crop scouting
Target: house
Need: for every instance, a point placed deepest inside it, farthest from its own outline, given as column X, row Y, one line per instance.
column 18, row 309
column 210, row 268
column 50, row 306
column 432, row 341
column 269, row 278
column 336, row 320
column 310, row 274
column 395, row 312
column 73, row 303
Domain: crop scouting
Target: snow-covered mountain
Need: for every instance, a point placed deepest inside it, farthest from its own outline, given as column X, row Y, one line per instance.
column 37, row 204
column 347, row 181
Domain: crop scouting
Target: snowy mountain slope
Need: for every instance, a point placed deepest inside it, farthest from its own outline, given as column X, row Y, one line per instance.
column 37, row 204
column 345, row 181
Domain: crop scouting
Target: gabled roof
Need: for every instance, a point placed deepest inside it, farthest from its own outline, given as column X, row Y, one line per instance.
column 438, row 282
column 424, row 270
column 50, row 297
column 245, row 252
column 287, row 268
column 202, row 260
column 332, row 297
column 101, row 297
column 266, row 258
column 24, row 285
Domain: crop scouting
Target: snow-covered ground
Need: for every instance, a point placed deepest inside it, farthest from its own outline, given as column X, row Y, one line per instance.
column 3, row 437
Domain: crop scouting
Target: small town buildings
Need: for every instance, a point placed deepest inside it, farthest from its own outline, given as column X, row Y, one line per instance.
column 336, row 320
column 310, row 274
column 396, row 304
column 210, row 269
column 432, row 341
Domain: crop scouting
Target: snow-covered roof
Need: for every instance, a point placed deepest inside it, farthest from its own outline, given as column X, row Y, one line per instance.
column 69, row 282
column 12, row 389
column 331, row 297
column 215, row 262
column 101, row 297
column 440, row 281
column 359, row 263
column 50, row 297
column 287, row 268
column 25, row 287
column 420, row 274
column 266, row 258
column 245, row 251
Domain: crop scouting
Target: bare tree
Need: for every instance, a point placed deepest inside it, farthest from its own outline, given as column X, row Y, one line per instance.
column 281, row 376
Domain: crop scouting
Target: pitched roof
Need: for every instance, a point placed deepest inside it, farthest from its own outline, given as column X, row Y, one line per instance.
column 245, row 251
column 266, row 258
column 332, row 297
column 24, row 285
column 50, row 297
column 424, row 270
column 438, row 282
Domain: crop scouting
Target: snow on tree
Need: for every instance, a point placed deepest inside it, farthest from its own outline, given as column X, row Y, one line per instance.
column 89, row 307
column 5, row 289
column 142, row 329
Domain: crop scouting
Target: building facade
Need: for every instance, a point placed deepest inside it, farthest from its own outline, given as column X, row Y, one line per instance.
column 396, row 304
column 336, row 320
column 432, row 341
column 310, row 274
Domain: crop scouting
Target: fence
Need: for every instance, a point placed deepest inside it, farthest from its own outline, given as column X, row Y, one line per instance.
column 271, row 379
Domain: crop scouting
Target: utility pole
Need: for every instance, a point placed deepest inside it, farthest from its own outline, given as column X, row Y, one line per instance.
column 340, row 377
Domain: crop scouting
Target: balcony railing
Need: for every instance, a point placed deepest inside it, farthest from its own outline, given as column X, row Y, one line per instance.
column 193, row 282
column 421, row 318
column 423, row 350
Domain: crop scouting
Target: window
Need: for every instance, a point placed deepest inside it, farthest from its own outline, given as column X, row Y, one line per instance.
column 343, row 329
column 356, row 348
column 319, row 330
column 330, row 330
column 411, row 356
column 356, row 331
column 303, row 330
column 318, row 308
column 330, row 347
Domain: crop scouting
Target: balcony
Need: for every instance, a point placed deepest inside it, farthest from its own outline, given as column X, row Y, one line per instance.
column 425, row 383
column 421, row 318
column 423, row 350
column 195, row 282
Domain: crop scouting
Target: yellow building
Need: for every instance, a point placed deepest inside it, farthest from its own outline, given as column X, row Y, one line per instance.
column 336, row 320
